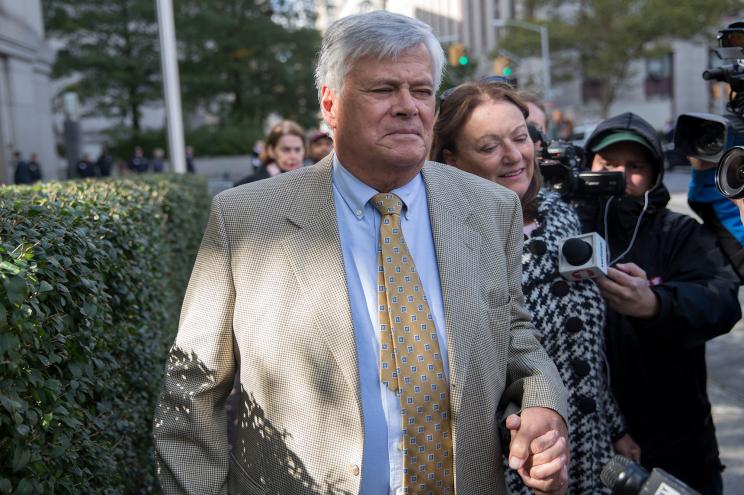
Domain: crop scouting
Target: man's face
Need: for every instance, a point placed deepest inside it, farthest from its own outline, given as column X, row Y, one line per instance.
column 383, row 118
column 630, row 158
column 537, row 117
column 320, row 148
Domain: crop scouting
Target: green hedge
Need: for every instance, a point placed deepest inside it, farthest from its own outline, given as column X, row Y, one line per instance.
column 92, row 274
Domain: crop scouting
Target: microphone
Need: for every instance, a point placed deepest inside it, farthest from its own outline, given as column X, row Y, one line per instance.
column 582, row 257
column 625, row 477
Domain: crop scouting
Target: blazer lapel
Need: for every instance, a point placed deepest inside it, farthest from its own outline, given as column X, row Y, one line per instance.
column 314, row 251
column 456, row 245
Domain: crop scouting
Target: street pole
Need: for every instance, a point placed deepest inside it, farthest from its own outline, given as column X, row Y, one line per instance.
column 171, row 85
column 544, row 47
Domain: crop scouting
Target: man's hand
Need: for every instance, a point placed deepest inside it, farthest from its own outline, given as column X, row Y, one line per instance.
column 628, row 447
column 626, row 290
column 538, row 449
column 698, row 164
column 740, row 204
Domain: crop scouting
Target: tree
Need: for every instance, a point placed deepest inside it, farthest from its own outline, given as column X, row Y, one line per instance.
column 244, row 59
column 599, row 39
column 109, row 51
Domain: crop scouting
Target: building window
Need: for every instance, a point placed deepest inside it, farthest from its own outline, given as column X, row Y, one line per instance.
column 659, row 72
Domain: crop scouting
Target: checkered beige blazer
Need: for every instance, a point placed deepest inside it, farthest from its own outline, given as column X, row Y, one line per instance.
column 268, row 291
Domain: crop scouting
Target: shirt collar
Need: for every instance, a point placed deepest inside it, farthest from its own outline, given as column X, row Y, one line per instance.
column 356, row 194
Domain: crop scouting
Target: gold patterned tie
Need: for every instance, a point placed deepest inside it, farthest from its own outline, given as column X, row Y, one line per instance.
column 410, row 360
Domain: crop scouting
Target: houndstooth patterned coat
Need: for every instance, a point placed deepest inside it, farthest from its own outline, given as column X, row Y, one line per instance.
column 268, row 291
column 570, row 317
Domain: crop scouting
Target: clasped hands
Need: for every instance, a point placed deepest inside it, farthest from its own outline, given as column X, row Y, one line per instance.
column 538, row 449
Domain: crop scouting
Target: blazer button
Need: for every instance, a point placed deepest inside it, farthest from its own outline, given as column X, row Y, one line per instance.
column 354, row 469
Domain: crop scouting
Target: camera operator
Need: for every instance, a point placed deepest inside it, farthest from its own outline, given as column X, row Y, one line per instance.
column 724, row 216
column 669, row 290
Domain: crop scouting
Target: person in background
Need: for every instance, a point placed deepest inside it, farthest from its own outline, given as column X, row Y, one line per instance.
column 537, row 116
column 537, row 119
column 284, row 151
column 373, row 302
column 157, row 160
column 256, row 153
column 138, row 163
column 104, row 163
column 85, row 167
column 561, row 127
column 26, row 172
column 190, row 165
column 319, row 145
column 34, row 167
column 481, row 128
column 669, row 289
column 725, row 217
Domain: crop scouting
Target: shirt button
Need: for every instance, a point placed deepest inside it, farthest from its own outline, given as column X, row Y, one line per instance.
column 354, row 469
column 358, row 213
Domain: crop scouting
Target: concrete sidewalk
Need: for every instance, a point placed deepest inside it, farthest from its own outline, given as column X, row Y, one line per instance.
column 725, row 356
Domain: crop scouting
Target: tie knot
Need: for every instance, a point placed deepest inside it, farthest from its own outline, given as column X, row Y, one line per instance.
column 387, row 203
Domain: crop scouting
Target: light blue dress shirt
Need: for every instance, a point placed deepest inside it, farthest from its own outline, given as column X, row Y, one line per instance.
column 359, row 229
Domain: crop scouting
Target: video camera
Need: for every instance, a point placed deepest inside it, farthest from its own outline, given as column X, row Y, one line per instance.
column 562, row 167
column 719, row 138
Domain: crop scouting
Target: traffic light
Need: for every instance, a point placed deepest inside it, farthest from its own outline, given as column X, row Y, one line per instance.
column 457, row 55
column 502, row 66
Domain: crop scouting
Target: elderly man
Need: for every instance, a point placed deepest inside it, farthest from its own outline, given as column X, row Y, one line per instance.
column 373, row 303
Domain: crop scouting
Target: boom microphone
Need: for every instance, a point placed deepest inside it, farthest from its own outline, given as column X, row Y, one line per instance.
column 582, row 257
column 625, row 477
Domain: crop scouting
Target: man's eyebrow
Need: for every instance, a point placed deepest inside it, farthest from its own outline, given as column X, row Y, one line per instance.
column 397, row 82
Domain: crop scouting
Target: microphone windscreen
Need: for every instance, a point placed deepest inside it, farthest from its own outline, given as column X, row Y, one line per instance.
column 577, row 251
column 613, row 469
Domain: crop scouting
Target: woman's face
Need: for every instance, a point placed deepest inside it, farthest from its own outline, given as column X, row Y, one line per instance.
column 495, row 144
column 288, row 152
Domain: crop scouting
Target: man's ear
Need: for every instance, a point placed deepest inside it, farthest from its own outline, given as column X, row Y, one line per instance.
column 449, row 157
column 329, row 106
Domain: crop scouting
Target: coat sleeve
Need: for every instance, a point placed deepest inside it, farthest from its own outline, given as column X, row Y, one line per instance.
column 532, row 379
column 613, row 416
column 699, row 293
column 189, row 427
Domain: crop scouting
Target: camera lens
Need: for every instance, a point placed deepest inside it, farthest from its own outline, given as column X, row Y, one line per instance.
column 730, row 173
column 710, row 140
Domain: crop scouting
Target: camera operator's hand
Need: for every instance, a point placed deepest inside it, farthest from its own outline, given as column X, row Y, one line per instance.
column 626, row 290
column 740, row 204
column 698, row 164
column 626, row 446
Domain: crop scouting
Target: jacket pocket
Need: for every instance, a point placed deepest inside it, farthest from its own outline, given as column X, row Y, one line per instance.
column 240, row 483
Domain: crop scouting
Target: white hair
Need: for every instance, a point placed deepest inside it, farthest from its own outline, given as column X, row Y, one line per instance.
column 379, row 34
